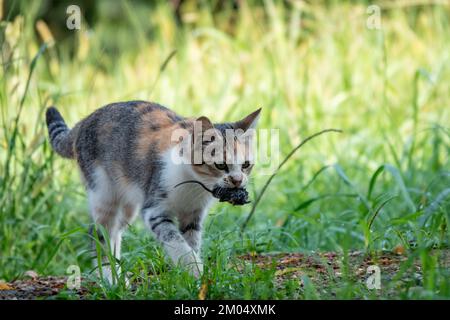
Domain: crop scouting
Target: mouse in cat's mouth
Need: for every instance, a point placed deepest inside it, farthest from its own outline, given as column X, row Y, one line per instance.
column 235, row 196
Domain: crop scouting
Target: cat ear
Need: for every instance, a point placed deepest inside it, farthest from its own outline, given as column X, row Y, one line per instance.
column 249, row 122
column 205, row 122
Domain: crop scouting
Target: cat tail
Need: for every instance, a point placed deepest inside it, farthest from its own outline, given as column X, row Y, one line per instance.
column 61, row 137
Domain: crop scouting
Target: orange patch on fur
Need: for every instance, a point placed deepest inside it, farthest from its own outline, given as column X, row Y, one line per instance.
column 156, row 132
column 161, row 117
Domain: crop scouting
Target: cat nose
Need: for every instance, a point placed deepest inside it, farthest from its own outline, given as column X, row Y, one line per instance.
column 236, row 180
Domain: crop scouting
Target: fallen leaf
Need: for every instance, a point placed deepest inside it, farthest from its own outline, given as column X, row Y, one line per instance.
column 5, row 286
column 399, row 250
column 203, row 291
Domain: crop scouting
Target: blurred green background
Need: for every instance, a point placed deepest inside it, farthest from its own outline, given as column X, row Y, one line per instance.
column 384, row 183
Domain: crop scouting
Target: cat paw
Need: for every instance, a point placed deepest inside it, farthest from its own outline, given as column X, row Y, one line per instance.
column 194, row 265
column 111, row 279
column 105, row 275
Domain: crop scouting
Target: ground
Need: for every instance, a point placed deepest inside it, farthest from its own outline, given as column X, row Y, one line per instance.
column 321, row 268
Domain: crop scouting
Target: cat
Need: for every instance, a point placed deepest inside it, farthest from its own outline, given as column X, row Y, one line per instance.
column 131, row 155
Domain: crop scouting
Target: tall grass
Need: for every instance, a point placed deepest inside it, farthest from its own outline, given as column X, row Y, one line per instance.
column 384, row 182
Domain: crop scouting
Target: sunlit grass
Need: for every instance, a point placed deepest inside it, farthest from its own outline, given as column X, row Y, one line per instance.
column 384, row 182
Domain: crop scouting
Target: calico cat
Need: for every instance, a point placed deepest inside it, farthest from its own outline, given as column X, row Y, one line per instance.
column 132, row 155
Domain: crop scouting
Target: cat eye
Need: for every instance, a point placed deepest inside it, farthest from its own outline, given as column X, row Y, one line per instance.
column 245, row 165
column 221, row 166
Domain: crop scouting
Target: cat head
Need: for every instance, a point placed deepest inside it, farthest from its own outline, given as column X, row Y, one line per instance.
column 223, row 153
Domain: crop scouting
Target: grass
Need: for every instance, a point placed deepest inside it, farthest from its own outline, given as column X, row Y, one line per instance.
column 382, row 184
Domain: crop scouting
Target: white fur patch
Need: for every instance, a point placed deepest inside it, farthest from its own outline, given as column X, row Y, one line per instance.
column 188, row 197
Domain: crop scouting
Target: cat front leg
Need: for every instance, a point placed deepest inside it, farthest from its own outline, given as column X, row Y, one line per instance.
column 166, row 232
column 191, row 229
